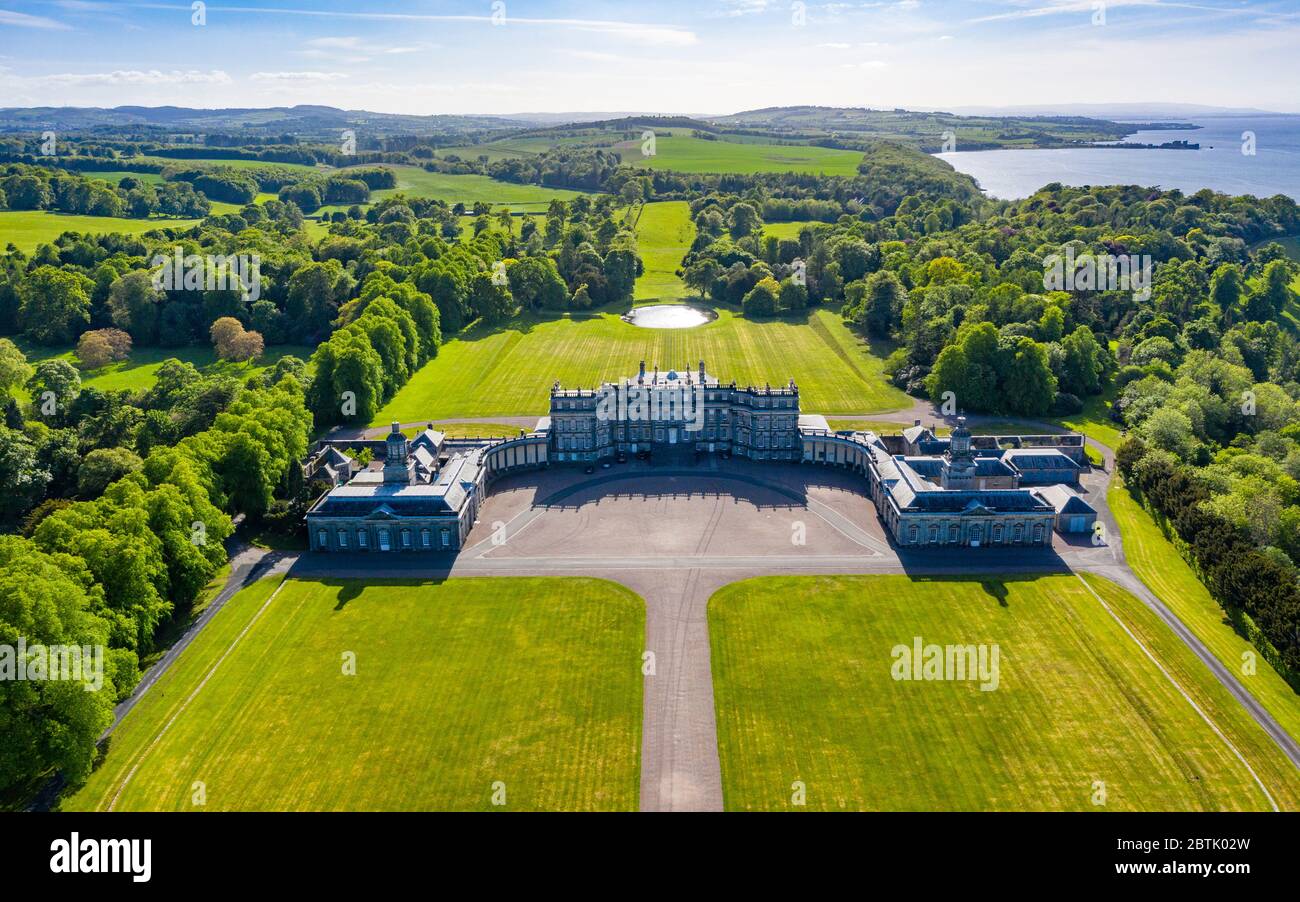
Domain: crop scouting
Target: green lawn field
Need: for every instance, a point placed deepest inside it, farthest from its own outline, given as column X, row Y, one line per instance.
column 27, row 229
column 532, row 683
column 687, row 154
column 469, row 189
column 785, row 229
column 1158, row 564
column 509, row 372
column 804, row 692
column 663, row 235
column 137, row 371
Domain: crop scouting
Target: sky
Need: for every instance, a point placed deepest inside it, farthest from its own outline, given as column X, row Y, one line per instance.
column 670, row 56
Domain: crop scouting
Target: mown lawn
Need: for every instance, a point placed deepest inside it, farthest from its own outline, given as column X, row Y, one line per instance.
column 469, row 189
column 27, row 229
column 1158, row 564
column 683, row 153
column 138, row 371
column 663, row 235
column 804, row 692
column 533, row 683
column 509, row 372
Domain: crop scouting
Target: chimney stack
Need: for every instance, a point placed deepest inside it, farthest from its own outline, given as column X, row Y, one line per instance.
column 701, row 370
column 641, row 378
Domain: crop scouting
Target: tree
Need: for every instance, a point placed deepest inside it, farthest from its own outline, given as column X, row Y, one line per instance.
column 21, row 474
column 134, row 305
column 232, row 342
column 55, row 304
column 490, row 301
column 100, row 347
column 54, row 387
column 743, row 219
column 14, row 369
column 762, row 299
column 1227, row 287
column 52, row 724
column 794, row 296
column 1083, row 363
column 1029, row 386
column 879, row 303
column 104, row 466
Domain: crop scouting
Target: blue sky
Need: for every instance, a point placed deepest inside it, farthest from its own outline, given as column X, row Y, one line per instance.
column 684, row 56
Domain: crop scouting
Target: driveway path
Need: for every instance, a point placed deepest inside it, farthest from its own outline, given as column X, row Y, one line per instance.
column 679, row 768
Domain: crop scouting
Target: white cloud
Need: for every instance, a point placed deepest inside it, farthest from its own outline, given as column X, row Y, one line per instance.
column 23, row 20
column 134, row 77
column 297, row 76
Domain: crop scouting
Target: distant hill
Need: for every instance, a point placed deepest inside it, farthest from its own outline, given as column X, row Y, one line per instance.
column 296, row 119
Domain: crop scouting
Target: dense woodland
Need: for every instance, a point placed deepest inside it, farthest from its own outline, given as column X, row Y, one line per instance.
column 118, row 503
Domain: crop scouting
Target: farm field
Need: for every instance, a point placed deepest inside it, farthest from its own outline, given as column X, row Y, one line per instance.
column 137, row 372
column 786, row 229
column 533, row 683
column 804, row 692
column 28, row 229
column 233, row 164
column 469, row 189
column 687, row 154
column 663, row 235
column 509, row 371
column 1159, row 565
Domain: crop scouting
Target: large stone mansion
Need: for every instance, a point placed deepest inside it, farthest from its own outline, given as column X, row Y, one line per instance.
column 424, row 493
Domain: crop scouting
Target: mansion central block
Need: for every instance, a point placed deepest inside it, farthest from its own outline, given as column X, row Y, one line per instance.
column 971, row 491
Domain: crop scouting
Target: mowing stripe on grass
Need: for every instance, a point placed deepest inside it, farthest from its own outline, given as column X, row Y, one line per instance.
column 1197, row 708
column 197, row 689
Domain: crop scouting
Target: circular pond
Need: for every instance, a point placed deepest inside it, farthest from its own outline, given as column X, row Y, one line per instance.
column 668, row 316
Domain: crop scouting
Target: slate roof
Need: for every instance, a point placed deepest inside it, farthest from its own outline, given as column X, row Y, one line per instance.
column 1039, row 459
column 1064, row 500
column 444, row 497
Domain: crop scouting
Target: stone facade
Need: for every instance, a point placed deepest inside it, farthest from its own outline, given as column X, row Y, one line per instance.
column 666, row 412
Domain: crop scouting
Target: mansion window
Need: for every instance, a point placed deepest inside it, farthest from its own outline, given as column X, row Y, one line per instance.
column 911, row 534
column 363, row 539
column 385, row 544
column 952, row 532
column 343, row 538
column 426, row 538
column 322, row 539
column 406, row 538
column 446, row 538
column 1038, row 533
column 997, row 533
column 1018, row 533
column 934, row 533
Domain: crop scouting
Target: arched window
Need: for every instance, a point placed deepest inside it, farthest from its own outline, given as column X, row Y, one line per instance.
column 322, row 540
column 426, row 538
column 1018, row 533
column 912, row 533
column 343, row 538
column 406, row 538
column 1038, row 533
column 385, row 542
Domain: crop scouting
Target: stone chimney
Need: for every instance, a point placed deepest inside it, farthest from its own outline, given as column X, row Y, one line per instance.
column 701, row 371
